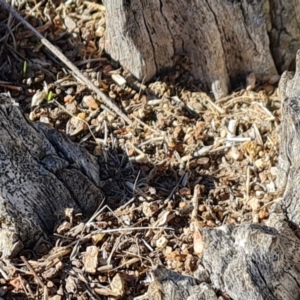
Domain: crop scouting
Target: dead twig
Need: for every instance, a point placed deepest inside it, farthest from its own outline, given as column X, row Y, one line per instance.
column 38, row 279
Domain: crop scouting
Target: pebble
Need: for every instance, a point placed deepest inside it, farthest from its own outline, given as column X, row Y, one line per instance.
column 90, row 102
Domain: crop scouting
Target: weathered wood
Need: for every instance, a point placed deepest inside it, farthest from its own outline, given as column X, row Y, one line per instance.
column 173, row 286
column 255, row 261
column 250, row 261
column 224, row 40
column 288, row 165
column 41, row 174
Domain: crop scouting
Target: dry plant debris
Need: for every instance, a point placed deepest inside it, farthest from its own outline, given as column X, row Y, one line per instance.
column 186, row 161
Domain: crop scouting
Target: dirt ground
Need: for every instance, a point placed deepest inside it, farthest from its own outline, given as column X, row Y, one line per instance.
column 186, row 161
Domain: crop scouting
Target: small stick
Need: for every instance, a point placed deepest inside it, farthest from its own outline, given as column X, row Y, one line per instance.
column 67, row 62
column 32, row 271
column 27, row 288
column 213, row 105
column 11, row 87
column 247, row 184
column 195, row 201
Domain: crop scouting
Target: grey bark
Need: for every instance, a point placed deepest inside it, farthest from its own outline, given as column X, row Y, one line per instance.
column 41, row 174
column 255, row 261
column 224, row 40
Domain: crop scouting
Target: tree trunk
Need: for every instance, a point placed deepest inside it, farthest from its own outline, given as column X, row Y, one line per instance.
column 41, row 174
column 224, row 40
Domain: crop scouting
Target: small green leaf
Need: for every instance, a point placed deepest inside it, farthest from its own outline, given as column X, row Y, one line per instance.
column 50, row 96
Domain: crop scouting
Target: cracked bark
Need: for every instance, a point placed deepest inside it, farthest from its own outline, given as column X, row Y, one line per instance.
column 224, row 40
column 41, row 174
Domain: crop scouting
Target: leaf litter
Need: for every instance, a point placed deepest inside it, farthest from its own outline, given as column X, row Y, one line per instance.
column 185, row 162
